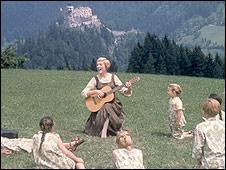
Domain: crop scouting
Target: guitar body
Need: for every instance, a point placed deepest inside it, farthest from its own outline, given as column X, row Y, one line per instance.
column 94, row 103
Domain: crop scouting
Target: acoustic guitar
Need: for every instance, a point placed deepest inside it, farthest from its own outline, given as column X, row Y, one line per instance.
column 94, row 103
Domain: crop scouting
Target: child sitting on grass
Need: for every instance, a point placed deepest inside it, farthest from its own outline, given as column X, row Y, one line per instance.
column 126, row 157
column 50, row 152
column 221, row 114
column 209, row 138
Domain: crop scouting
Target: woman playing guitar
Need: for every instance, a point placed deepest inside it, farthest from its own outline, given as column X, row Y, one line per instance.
column 109, row 119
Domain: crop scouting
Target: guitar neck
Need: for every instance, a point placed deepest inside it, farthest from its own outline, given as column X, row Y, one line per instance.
column 115, row 89
column 133, row 80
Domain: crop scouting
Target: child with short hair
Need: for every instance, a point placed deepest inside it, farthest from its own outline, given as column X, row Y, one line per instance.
column 209, row 138
column 221, row 114
column 126, row 157
column 175, row 111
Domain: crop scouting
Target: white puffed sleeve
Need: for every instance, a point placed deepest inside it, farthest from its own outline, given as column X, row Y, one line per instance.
column 90, row 86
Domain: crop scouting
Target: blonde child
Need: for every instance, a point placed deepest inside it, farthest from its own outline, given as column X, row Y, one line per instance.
column 175, row 111
column 126, row 157
column 209, row 138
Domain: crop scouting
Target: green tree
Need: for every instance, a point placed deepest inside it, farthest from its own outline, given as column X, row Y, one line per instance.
column 197, row 59
column 183, row 61
column 135, row 61
column 150, row 65
column 160, row 67
column 209, row 69
column 9, row 58
column 147, row 47
column 218, row 67
column 170, row 56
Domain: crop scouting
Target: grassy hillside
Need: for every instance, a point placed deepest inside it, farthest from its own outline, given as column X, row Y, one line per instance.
column 211, row 38
column 214, row 33
column 28, row 95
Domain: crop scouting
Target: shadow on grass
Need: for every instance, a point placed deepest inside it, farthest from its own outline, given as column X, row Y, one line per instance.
column 161, row 134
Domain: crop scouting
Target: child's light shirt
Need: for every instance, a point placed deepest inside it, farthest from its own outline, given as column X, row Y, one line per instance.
column 209, row 143
column 175, row 104
column 51, row 156
column 128, row 159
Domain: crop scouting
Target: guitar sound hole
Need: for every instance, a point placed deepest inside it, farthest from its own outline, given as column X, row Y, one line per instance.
column 105, row 94
column 94, row 100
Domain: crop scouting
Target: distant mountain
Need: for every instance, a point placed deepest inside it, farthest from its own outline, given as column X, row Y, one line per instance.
column 188, row 22
column 75, row 40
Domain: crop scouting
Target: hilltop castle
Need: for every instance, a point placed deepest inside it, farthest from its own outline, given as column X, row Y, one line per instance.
column 76, row 17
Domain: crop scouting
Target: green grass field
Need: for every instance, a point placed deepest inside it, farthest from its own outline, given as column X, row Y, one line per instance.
column 28, row 95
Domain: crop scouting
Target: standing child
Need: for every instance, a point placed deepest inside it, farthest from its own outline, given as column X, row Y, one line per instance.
column 175, row 111
column 209, row 138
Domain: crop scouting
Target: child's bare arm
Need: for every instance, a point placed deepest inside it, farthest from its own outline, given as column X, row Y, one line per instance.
column 179, row 113
column 68, row 153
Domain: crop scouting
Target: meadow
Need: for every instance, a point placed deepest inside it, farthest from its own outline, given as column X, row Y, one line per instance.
column 28, row 95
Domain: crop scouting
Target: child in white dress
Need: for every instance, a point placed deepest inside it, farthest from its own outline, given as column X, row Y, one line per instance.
column 176, row 111
column 126, row 157
column 50, row 152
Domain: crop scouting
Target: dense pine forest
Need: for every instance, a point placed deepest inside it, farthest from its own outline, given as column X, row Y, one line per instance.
column 164, row 56
column 63, row 48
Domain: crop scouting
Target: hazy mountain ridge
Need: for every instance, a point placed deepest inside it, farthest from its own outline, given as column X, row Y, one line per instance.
column 178, row 19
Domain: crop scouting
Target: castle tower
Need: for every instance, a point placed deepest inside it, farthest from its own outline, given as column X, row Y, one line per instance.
column 70, row 8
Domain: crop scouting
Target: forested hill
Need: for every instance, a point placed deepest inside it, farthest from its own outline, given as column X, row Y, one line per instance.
column 189, row 22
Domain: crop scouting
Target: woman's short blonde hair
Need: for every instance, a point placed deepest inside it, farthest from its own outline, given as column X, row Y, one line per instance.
column 176, row 87
column 107, row 63
column 211, row 107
